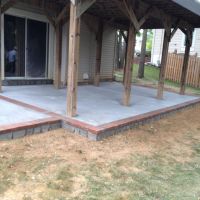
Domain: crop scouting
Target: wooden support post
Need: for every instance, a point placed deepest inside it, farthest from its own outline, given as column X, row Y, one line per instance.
column 73, row 63
column 0, row 53
column 185, row 66
column 57, row 81
column 129, row 65
column 99, row 39
column 163, row 63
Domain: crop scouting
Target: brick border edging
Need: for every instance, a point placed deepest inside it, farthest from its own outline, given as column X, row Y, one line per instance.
column 113, row 128
column 29, row 128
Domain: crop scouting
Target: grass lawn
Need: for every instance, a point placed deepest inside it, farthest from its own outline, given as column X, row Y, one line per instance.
column 159, row 161
column 151, row 78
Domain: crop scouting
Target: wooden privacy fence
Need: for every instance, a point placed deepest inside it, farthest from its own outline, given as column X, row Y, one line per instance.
column 174, row 69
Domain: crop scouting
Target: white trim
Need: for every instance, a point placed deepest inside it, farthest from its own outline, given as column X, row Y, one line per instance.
column 26, row 14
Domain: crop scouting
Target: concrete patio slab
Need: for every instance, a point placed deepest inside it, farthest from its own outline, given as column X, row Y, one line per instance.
column 100, row 112
column 96, row 105
column 14, row 114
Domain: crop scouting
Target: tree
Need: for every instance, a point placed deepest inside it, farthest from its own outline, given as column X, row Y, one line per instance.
column 142, row 54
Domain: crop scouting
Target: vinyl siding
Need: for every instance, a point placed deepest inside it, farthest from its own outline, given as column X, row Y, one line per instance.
column 197, row 42
column 108, row 53
column 88, row 53
column 157, row 46
column 177, row 43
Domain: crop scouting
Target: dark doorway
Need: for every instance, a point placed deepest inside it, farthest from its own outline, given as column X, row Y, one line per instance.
column 36, row 49
column 25, row 47
column 14, row 46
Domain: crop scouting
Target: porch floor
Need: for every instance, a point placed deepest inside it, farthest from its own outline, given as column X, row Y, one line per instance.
column 14, row 114
column 97, row 106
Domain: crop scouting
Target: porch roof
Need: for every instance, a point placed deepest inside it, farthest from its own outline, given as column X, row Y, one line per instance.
column 188, row 11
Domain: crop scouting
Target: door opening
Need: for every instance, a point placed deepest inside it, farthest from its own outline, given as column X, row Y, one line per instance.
column 25, row 42
column 14, row 44
column 36, row 49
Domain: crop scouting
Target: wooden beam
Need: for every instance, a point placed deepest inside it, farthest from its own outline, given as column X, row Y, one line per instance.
column 185, row 65
column 83, row 6
column 129, row 65
column 173, row 32
column 7, row 5
column 163, row 63
column 0, row 52
column 148, row 13
column 98, row 53
column 152, row 11
column 50, row 18
column 131, row 14
column 128, row 11
column 62, row 14
column 73, row 61
column 190, row 35
column 57, row 81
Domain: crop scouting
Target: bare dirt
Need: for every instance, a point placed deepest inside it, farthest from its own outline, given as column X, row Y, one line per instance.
column 34, row 167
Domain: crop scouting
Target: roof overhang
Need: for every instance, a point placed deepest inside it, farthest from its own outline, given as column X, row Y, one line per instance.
column 191, row 5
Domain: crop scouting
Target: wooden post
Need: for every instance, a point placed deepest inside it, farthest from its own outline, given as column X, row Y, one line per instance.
column 129, row 65
column 143, row 54
column 99, row 40
column 57, row 81
column 163, row 63
column 73, row 63
column 185, row 66
column 0, row 53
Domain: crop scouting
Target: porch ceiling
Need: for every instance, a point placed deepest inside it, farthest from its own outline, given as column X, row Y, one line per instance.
column 110, row 11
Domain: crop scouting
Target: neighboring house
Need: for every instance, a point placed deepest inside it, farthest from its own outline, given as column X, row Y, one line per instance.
column 28, row 47
column 177, row 43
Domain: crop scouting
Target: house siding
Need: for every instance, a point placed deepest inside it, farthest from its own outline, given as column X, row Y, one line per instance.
column 88, row 53
column 108, row 53
column 157, row 46
column 177, row 43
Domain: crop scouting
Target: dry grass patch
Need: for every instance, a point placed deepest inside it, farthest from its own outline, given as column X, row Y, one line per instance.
column 157, row 161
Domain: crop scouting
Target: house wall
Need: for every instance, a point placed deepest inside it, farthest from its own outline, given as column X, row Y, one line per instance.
column 157, row 46
column 177, row 43
column 87, row 47
column 88, row 53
